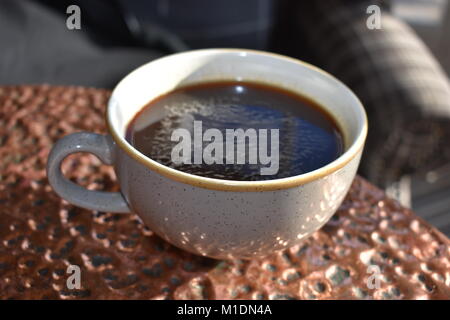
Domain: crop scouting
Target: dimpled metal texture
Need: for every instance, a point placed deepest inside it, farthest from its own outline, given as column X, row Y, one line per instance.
column 41, row 235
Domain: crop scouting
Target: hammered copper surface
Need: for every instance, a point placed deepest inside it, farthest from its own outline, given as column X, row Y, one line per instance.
column 40, row 234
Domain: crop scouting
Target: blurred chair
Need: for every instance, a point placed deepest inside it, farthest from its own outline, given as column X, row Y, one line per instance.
column 404, row 89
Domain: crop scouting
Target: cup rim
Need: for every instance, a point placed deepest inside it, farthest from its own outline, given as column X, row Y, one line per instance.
column 238, row 185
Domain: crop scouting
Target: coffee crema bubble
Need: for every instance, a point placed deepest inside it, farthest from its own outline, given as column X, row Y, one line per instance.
column 307, row 137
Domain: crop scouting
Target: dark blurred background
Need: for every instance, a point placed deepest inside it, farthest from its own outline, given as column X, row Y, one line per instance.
column 400, row 72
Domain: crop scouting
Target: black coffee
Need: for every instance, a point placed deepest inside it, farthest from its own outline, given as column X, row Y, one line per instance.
column 308, row 137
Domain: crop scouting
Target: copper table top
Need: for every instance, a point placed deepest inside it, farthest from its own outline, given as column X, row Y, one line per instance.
column 41, row 235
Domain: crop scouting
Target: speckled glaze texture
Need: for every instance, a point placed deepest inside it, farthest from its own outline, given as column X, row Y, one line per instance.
column 212, row 217
column 226, row 224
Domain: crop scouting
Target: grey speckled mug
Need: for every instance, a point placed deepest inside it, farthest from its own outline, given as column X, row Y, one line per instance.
column 212, row 217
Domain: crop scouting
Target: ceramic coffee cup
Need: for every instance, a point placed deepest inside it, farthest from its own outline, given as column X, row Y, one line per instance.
column 213, row 217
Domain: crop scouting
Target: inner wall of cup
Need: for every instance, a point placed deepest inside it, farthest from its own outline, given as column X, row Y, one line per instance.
column 164, row 75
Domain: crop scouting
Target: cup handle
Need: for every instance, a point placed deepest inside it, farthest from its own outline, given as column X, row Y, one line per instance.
column 101, row 147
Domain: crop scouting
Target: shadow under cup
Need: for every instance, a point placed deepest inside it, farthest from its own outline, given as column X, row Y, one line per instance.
column 228, row 218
